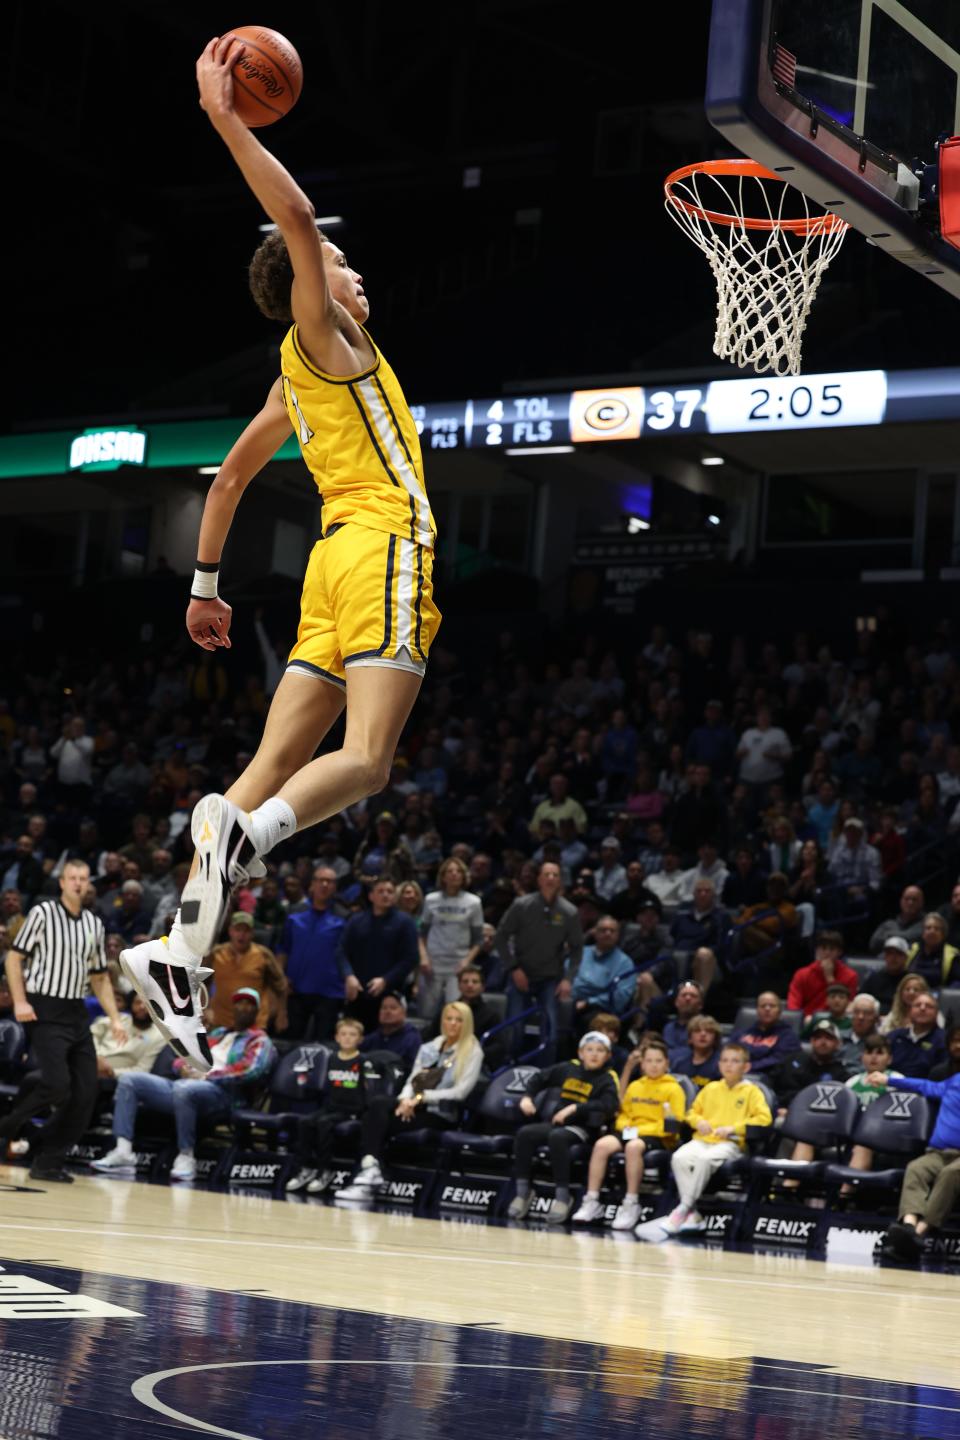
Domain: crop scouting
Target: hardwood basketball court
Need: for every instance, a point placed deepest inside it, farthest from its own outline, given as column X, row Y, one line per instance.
column 522, row 1331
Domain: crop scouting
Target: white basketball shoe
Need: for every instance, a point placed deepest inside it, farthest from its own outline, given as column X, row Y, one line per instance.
column 174, row 993
column 227, row 857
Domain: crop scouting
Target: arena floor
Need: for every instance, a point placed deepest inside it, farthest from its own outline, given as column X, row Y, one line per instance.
column 135, row 1310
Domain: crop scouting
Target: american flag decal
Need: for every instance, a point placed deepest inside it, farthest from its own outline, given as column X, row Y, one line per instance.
column 784, row 68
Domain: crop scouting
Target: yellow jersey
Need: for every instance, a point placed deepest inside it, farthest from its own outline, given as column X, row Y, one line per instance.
column 737, row 1105
column 642, row 1105
column 360, row 444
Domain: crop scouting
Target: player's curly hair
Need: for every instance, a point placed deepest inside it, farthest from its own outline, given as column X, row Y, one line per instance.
column 271, row 277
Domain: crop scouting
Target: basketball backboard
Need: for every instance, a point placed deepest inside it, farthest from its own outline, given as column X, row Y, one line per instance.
column 846, row 99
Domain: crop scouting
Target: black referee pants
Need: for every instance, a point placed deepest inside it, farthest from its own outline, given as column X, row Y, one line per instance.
column 61, row 1047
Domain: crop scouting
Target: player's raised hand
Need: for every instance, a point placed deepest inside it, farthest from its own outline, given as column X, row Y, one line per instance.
column 215, row 74
column 208, row 623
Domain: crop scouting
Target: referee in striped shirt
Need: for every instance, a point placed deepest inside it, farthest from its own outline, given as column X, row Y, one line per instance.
column 59, row 951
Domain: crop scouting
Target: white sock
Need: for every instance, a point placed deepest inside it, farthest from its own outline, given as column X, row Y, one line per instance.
column 124, row 1146
column 180, row 951
column 185, row 1155
column 369, row 1162
column 270, row 823
column 592, row 1195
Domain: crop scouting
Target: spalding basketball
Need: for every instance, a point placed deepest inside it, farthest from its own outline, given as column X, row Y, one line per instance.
column 267, row 77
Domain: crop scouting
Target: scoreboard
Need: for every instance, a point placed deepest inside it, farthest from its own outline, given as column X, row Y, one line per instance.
column 513, row 420
column 720, row 407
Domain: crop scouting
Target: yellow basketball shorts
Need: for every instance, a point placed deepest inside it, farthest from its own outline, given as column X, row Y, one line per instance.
column 367, row 600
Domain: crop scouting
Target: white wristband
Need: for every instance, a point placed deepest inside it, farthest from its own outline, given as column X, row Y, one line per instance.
column 204, row 584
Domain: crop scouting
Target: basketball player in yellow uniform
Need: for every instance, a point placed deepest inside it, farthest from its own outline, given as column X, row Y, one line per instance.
column 367, row 613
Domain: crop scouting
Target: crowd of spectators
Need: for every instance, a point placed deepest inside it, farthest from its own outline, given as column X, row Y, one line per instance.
column 652, row 836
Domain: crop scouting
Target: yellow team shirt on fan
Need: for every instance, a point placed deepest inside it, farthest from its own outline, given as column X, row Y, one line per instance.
column 360, row 444
column 721, row 1104
column 641, row 1108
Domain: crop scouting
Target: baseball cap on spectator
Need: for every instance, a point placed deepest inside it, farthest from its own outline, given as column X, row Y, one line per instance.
column 827, row 1026
column 650, row 904
column 610, row 842
column 247, row 992
column 838, row 989
column 897, row 942
column 395, row 995
column 853, row 822
column 240, row 917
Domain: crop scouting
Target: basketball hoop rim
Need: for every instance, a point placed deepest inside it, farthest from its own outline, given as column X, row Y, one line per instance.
column 824, row 224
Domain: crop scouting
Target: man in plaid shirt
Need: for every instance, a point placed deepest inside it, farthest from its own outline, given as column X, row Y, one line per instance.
column 242, row 1057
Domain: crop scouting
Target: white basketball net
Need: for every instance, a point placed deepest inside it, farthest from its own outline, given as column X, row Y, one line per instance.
column 767, row 278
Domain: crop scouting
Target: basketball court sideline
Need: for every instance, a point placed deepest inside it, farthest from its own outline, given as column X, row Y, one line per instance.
column 219, row 1313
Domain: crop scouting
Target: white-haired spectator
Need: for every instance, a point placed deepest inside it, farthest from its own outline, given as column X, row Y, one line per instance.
column 908, row 921
column 610, row 877
column 709, row 866
column 864, row 1015
column 854, row 863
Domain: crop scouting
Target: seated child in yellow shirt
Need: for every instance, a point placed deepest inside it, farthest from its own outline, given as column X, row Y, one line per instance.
column 719, row 1118
column 644, row 1105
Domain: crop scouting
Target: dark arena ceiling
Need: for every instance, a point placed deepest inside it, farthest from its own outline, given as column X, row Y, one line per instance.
column 498, row 165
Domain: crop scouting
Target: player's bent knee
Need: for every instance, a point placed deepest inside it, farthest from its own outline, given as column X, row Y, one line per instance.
column 373, row 771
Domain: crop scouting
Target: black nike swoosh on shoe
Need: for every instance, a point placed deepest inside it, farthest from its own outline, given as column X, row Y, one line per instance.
column 170, row 978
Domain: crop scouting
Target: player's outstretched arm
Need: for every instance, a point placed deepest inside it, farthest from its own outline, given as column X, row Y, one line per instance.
column 286, row 204
column 208, row 619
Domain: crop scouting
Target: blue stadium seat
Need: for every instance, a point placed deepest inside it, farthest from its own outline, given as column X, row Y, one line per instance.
column 950, row 1004
column 823, row 1116
column 865, row 966
column 895, row 1124
column 295, row 1087
column 747, row 1017
column 497, row 1117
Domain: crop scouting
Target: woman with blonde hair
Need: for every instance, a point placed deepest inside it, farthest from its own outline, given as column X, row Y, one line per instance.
column 451, row 934
column 444, row 1073
column 906, row 992
column 410, row 900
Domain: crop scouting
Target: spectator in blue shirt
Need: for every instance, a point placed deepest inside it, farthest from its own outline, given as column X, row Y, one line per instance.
column 128, row 915
column 823, row 812
column 917, row 1047
column 686, row 1004
column 770, row 1039
column 606, row 978
column 618, row 753
column 699, row 924
column 308, row 951
column 379, row 950
column 931, row 1183
column 713, row 743
column 394, row 1031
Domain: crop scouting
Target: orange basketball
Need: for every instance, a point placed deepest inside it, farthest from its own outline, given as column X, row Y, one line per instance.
column 267, row 78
